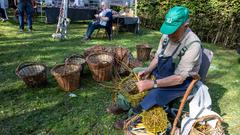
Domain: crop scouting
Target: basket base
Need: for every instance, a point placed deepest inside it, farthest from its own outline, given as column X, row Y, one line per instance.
column 42, row 84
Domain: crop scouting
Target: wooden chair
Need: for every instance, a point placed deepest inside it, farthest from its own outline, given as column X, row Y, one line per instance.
column 207, row 56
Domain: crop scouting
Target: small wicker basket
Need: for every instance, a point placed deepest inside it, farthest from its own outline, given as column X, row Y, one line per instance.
column 67, row 76
column 33, row 74
column 143, row 52
column 101, row 66
column 205, row 129
column 128, row 88
column 76, row 59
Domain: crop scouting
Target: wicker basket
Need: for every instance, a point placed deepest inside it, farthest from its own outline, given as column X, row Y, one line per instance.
column 205, row 129
column 67, row 76
column 33, row 74
column 129, row 89
column 76, row 59
column 101, row 66
column 143, row 52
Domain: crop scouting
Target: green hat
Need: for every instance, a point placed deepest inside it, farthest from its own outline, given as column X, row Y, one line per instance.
column 175, row 17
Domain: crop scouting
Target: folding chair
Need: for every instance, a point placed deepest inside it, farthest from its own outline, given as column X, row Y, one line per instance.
column 207, row 56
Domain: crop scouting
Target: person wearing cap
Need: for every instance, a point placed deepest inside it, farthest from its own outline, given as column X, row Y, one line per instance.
column 103, row 20
column 177, row 58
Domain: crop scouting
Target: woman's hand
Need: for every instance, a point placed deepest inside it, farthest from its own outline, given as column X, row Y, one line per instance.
column 144, row 85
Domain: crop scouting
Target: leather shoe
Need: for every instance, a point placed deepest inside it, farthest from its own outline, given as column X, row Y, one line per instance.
column 115, row 110
column 119, row 124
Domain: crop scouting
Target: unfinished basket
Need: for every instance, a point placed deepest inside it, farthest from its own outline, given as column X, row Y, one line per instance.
column 33, row 74
column 101, row 66
column 143, row 52
column 200, row 126
column 128, row 88
column 67, row 76
column 76, row 59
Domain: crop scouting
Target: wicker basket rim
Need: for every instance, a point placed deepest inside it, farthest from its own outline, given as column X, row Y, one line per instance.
column 79, row 67
column 71, row 59
column 144, row 46
column 26, row 64
column 91, row 55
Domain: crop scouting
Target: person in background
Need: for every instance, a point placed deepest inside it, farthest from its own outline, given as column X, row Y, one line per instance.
column 178, row 57
column 103, row 20
column 24, row 6
column 3, row 13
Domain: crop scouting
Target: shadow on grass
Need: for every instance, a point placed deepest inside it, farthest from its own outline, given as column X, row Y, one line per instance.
column 217, row 91
column 81, row 115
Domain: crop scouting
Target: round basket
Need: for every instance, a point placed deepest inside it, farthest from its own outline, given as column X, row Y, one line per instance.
column 205, row 129
column 101, row 66
column 67, row 76
column 33, row 74
column 76, row 59
column 143, row 52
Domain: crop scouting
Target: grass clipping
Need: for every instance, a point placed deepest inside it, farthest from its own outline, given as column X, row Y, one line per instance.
column 155, row 120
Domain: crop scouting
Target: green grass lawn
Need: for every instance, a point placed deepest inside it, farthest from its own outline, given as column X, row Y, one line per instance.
column 49, row 110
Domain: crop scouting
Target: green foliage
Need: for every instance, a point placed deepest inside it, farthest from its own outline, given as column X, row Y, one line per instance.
column 216, row 21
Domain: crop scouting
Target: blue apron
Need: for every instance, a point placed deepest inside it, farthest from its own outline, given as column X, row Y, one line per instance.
column 163, row 95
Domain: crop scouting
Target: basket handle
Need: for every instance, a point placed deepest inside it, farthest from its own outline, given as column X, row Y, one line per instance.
column 22, row 65
column 72, row 56
column 206, row 118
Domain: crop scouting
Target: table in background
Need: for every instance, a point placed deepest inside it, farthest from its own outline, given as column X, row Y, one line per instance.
column 130, row 23
column 75, row 14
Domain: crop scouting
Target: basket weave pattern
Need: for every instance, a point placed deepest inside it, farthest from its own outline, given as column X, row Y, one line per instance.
column 205, row 129
column 128, row 88
column 143, row 52
column 101, row 66
column 33, row 74
column 76, row 59
column 67, row 76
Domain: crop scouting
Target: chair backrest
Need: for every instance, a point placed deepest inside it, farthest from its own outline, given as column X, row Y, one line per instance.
column 207, row 56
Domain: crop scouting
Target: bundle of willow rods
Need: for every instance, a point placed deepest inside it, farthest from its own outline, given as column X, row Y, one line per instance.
column 155, row 120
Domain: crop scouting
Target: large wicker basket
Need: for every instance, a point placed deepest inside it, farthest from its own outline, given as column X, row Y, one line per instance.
column 101, row 66
column 143, row 52
column 33, row 74
column 76, row 59
column 199, row 129
column 67, row 76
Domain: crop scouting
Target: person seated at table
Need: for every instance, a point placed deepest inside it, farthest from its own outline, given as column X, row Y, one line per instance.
column 103, row 20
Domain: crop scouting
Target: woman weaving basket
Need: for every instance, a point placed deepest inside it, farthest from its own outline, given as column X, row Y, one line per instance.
column 178, row 56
